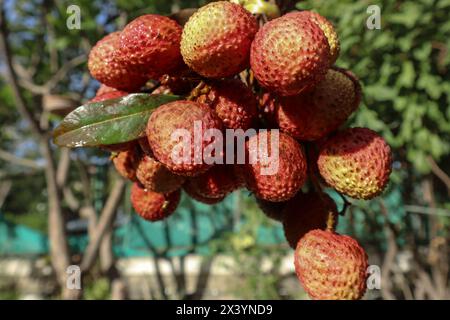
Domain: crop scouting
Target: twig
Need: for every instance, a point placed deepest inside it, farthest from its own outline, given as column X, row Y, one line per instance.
column 7, row 156
column 107, row 217
column 12, row 77
column 438, row 172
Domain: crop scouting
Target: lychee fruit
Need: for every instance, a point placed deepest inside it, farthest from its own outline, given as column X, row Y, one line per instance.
column 233, row 102
column 151, row 44
column 216, row 40
column 145, row 146
column 106, row 68
column 108, row 95
column 126, row 162
column 153, row 206
column 217, row 182
column 356, row 162
column 192, row 192
column 275, row 169
column 273, row 210
column 314, row 114
column 154, row 176
column 306, row 212
column 290, row 54
column 190, row 122
column 329, row 31
column 105, row 89
column 331, row 266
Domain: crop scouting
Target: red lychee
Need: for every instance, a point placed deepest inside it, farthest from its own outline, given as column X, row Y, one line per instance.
column 331, row 266
column 316, row 113
column 290, row 54
column 154, row 176
column 110, row 71
column 192, row 192
column 126, row 162
column 153, row 206
column 356, row 162
column 280, row 169
column 108, row 95
column 151, row 44
column 217, row 38
column 217, row 182
column 329, row 31
column 105, row 89
column 233, row 102
column 190, row 122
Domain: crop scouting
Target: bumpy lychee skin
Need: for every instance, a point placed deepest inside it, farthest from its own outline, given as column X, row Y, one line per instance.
column 290, row 54
column 329, row 31
column 314, row 114
column 273, row 210
column 105, row 89
column 331, row 266
column 154, row 176
column 126, row 162
column 153, row 206
column 217, row 38
column 185, row 118
column 106, row 68
column 356, row 162
column 233, row 102
column 191, row 191
column 274, row 180
column 217, row 182
column 151, row 44
column 306, row 212
column 108, row 95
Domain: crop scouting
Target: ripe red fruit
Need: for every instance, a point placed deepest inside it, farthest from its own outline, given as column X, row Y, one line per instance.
column 153, row 206
column 314, row 114
column 108, row 95
column 215, row 183
column 290, row 54
column 306, row 212
column 284, row 176
column 233, row 102
column 329, row 31
column 106, row 68
column 155, row 177
column 192, row 192
column 126, row 162
column 217, row 38
column 182, row 115
column 331, row 266
column 105, row 89
column 151, row 44
column 356, row 162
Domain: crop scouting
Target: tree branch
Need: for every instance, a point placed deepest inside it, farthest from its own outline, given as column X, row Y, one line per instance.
column 9, row 157
column 11, row 75
column 438, row 172
column 106, row 220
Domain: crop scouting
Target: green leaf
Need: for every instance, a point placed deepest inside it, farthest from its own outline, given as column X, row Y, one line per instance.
column 108, row 122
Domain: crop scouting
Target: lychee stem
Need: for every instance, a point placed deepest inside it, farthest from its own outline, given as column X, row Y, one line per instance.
column 331, row 221
column 201, row 88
